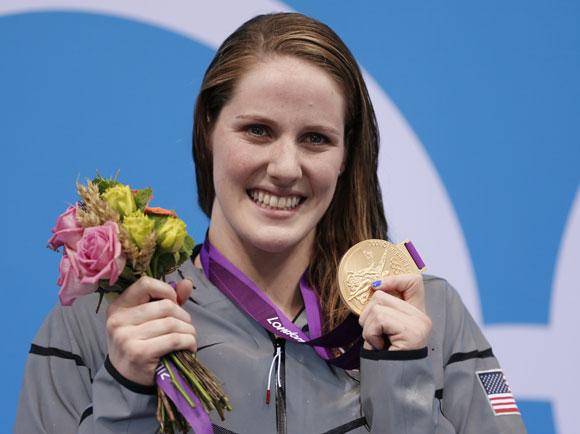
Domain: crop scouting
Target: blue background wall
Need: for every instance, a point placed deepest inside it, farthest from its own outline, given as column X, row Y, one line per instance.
column 491, row 89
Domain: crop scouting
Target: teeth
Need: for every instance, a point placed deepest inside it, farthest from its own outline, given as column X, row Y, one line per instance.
column 270, row 201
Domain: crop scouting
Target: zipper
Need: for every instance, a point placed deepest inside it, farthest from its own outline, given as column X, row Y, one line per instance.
column 279, row 363
column 281, row 391
column 278, row 369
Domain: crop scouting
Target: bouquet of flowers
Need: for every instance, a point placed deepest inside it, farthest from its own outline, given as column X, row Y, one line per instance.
column 109, row 239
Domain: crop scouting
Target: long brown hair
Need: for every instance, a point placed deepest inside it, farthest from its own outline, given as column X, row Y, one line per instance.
column 356, row 210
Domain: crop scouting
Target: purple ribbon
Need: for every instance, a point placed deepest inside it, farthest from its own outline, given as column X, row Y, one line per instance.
column 246, row 295
column 197, row 417
column 414, row 255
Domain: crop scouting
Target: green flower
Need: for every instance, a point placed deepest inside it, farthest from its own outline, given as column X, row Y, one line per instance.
column 120, row 198
column 139, row 227
column 171, row 234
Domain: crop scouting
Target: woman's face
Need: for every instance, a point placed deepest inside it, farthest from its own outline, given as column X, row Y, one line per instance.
column 278, row 149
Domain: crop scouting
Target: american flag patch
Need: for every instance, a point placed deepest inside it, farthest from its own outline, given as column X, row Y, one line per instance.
column 498, row 392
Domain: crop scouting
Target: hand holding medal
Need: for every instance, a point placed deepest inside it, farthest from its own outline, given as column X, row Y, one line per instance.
column 382, row 283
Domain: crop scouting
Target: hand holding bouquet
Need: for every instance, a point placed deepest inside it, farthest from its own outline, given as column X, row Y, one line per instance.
column 110, row 239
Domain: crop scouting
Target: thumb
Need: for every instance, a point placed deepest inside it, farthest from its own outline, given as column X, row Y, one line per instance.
column 409, row 287
column 183, row 289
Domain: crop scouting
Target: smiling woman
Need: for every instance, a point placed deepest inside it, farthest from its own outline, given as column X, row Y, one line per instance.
column 309, row 71
column 286, row 148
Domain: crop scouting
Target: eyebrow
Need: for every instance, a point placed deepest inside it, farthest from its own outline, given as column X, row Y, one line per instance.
column 253, row 118
column 314, row 127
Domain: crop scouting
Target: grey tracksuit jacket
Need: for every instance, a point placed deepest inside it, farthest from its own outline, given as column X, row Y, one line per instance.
column 70, row 387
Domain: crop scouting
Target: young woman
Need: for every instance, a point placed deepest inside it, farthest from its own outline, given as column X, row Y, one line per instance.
column 285, row 146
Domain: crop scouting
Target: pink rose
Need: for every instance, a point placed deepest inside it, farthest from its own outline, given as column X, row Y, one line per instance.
column 69, row 281
column 67, row 231
column 98, row 254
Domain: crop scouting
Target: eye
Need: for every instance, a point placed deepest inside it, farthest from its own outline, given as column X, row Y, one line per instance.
column 316, row 138
column 257, row 130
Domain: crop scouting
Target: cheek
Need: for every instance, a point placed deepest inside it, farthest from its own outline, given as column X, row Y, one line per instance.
column 325, row 172
column 233, row 166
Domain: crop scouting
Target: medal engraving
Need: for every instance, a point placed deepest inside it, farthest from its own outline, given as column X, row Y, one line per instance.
column 366, row 262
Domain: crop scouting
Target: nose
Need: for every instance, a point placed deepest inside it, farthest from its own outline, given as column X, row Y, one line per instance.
column 284, row 166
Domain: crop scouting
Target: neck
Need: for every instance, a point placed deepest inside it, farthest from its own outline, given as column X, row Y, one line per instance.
column 276, row 274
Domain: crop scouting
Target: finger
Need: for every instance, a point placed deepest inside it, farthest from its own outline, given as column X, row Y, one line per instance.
column 387, row 299
column 162, row 345
column 389, row 320
column 397, row 283
column 373, row 335
column 379, row 286
column 403, row 331
column 409, row 286
column 183, row 288
column 147, row 312
column 160, row 327
column 144, row 290
column 381, row 323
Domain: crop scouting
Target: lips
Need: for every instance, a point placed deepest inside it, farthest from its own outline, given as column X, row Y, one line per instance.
column 272, row 201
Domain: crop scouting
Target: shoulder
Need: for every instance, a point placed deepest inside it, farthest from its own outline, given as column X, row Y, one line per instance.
column 444, row 304
column 77, row 330
column 89, row 311
column 81, row 316
column 454, row 329
column 441, row 296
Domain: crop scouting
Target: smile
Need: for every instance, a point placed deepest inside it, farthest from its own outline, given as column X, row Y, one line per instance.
column 271, row 201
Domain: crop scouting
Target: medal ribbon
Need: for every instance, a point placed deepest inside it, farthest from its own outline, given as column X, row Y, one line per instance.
column 246, row 295
column 196, row 416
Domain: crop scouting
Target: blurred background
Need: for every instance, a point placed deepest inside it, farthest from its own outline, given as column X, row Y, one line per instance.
column 479, row 111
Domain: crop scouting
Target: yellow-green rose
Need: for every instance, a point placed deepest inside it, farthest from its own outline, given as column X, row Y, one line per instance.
column 139, row 227
column 120, row 198
column 171, row 234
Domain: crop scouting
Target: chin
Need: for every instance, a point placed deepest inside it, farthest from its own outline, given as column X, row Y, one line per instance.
column 276, row 241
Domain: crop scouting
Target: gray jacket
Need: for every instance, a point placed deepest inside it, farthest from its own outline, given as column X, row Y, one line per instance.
column 69, row 385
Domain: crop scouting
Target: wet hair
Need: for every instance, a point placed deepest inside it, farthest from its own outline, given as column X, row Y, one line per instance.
column 356, row 210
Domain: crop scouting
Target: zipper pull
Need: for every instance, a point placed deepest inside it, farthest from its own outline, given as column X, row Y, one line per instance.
column 276, row 360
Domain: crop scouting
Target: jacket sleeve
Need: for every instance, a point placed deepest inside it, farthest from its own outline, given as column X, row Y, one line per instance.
column 397, row 389
column 475, row 395
column 59, row 392
column 445, row 388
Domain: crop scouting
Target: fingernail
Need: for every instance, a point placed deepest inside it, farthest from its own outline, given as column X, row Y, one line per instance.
column 376, row 283
column 172, row 283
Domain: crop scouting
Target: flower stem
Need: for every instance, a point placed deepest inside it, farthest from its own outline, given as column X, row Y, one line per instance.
column 176, row 383
column 206, row 399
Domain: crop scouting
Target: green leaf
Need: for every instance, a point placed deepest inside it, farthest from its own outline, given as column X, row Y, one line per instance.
column 142, row 197
column 128, row 274
column 164, row 263
column 119, row 286
column 105, row 183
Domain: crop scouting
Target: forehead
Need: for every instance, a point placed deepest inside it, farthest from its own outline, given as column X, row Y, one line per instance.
column 288, row 83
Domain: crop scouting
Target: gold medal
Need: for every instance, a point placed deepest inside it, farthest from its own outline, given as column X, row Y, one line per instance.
column 372, row 260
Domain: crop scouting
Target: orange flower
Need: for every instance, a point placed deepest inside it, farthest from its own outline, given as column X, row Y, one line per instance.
column 159, row 211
